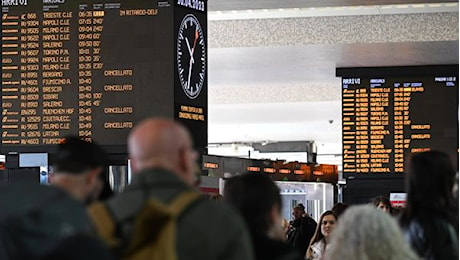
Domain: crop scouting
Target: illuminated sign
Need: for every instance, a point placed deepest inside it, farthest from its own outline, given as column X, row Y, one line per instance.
column 269, row 170
column 253, row 169
column 211, row 165
column 318, row 173
column 284, row 171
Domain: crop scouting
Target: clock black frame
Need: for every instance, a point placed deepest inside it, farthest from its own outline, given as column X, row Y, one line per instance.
column 191, row 56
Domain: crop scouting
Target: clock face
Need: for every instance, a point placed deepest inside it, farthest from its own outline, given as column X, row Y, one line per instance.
column 191, row 56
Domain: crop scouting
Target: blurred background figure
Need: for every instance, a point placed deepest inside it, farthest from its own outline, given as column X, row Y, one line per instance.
column 258, row 200
column 35, row 218
column 320, row 241
column 365, row 233
column 301, row 229
column 430, row 219
column 80, row 168
column 79, row 247
column 383, row 203
column 397, row 211
column 215, row 197
column 339, row 209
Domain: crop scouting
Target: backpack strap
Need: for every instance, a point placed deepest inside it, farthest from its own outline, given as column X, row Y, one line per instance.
column 104, row 223
column 157, row 221
column 183, row 202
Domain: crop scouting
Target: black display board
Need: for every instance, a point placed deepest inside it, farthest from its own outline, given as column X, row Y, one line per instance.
column 96, row 68
column 392, row 112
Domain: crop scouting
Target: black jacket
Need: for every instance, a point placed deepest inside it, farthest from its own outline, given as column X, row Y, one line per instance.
column 34, row 219
column 302, row 230
column 437, row 240
column 269, row 249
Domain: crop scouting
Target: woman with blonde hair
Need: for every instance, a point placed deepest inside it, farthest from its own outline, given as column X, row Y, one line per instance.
column 366, row 233
column 320, row 239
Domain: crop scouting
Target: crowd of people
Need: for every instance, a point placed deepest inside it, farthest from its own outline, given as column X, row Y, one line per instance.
column 160, row 215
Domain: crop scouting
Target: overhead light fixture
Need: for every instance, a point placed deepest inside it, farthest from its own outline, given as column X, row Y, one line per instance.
column 281, row 13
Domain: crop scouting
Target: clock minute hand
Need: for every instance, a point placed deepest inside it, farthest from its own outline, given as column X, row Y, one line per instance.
column 191, row 58
column 189, row 49
column 189, row 73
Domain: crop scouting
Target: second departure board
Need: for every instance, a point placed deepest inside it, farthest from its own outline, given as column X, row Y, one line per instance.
column 390, row 113
column 96, row 68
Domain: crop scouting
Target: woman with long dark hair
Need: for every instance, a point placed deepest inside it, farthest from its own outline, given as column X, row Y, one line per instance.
column 430, row 221
column 257, row 198
column 320, row 239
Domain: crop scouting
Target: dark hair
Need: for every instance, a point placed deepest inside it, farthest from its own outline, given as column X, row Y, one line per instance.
column 429, row 181
column 75, row 156
column 254, row 196
column 339, row 209
column 318, row 235
column 384, row 200
column 300, row 207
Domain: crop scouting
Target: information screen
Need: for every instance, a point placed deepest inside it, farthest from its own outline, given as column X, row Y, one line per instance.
column 90, row 68
column 388, row 116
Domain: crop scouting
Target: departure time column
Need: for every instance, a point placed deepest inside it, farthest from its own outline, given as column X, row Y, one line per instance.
column 89, row 47
column 85, row 44
column 401, row 112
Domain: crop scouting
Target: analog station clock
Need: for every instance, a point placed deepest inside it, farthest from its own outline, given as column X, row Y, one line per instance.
column 191, row 56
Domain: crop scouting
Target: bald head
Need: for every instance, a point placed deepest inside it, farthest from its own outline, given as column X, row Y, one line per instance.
column 165, row 144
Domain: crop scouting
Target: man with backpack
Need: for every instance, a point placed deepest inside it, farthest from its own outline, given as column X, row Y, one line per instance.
column 160, row 215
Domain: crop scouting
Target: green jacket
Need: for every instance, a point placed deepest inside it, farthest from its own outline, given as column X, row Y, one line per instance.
column 207, row 230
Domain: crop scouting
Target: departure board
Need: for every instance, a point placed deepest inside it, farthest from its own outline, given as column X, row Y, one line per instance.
column 390, row 113
column 96, row 68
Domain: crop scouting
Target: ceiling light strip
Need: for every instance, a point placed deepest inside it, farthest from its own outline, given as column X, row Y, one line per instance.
column 332, row 11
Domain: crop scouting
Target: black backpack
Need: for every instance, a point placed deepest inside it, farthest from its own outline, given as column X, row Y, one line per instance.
column 35, row 218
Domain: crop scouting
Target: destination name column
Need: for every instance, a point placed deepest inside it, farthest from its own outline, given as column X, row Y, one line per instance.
column 379, row 123
column 56, row 76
